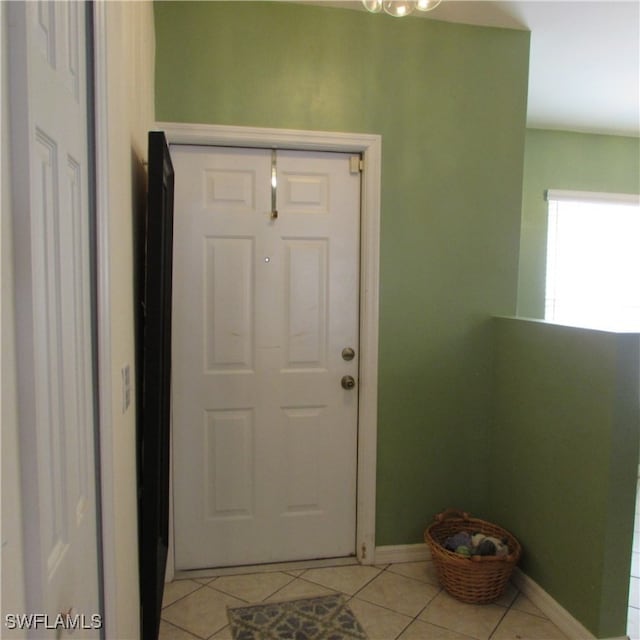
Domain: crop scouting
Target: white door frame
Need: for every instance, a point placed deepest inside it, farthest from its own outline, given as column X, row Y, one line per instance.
column 370, row 146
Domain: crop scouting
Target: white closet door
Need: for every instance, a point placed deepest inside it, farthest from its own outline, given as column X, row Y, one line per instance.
column 50, row 189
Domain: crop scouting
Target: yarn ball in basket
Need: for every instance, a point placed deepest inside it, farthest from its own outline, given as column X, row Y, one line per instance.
column 488, row 546
column 460, row 539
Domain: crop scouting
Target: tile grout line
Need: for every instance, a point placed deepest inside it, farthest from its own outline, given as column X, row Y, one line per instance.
column 442, row 589
column 186, row 595
column 349, row 595
column 309, row 582
column 417, row 616
column 502, row 617
column 191, row 633
column 411, row 619
column 353, row 597
column 368, row 582
column 226, row 593
column 218, row 631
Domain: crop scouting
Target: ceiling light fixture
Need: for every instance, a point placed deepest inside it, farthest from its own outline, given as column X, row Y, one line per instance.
column 399, row 8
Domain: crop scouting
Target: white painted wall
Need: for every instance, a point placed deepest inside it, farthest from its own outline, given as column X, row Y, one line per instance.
column 129, row 102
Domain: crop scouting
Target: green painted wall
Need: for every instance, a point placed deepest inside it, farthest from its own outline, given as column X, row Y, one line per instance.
column 572, row 161
column 564, row 461
column 449, row 101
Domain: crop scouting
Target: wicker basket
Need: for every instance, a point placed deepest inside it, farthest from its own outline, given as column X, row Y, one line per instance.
column 479, row 579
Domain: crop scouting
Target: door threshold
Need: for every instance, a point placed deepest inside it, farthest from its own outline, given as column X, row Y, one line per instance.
column 295, row 565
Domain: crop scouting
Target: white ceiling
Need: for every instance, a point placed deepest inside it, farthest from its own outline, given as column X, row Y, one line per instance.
column 584, row 72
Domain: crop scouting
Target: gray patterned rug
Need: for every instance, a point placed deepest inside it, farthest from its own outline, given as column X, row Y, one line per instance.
column 319, row 618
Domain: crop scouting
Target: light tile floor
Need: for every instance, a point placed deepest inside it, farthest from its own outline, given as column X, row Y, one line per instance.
column 393, row 601
column 400, row 601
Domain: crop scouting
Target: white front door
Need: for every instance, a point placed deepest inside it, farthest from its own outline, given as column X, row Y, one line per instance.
column 265, row 435
column 50, row 203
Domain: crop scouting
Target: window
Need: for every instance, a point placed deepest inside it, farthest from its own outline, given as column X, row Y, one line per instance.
column 593, row 260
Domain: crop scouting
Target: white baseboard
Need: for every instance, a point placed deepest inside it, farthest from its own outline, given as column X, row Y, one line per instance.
column 391, row 554
column 552, row 609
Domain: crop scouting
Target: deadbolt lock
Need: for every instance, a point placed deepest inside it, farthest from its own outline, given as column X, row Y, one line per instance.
column 348, row 354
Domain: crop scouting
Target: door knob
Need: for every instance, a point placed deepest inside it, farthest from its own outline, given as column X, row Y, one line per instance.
column 348, row 382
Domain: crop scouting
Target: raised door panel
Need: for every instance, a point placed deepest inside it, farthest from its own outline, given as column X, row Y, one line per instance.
column 229, row 465
column 303, row 192
column 49, row 352
column 304, row 431
column 305, row 340
column 230, row 190
column 228, row 295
